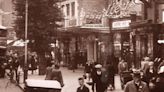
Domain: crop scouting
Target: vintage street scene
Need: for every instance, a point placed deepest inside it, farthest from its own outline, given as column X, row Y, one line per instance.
column 81, row 45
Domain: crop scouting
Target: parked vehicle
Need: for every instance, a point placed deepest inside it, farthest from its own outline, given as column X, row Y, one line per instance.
column 33, row 85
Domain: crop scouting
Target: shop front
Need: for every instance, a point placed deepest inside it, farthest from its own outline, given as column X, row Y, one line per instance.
column 160, row 41
column 120, row 30
column 145, row 40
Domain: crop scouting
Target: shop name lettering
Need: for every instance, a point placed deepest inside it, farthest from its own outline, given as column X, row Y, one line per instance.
column 121, row 24
column 120, row 8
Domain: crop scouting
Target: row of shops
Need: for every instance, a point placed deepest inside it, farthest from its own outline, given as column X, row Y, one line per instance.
column 129, row 38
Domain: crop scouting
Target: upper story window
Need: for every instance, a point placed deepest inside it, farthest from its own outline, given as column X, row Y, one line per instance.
column 62, row 9
column 68, row 9
column 73, row 8
column 3, row 33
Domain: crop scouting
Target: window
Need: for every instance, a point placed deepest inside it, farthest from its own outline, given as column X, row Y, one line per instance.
column 3, row 33
column 68, row 9
column 73, row 8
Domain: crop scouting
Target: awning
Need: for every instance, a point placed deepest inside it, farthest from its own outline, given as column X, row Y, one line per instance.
column 3, row 27
column 2, row 47
column 85, row 29
column 16, row 43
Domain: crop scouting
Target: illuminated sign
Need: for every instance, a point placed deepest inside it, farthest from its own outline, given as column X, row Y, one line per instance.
column 121, row 24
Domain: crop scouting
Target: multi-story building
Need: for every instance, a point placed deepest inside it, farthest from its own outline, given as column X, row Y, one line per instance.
column 83, row 20
column 87, row 22
column 148, row 34
column 7, row 17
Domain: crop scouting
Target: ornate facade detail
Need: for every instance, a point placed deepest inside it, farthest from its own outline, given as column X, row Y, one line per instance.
column 120, row 8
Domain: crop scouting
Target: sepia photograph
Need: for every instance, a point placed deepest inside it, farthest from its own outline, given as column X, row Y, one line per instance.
column 81, row 45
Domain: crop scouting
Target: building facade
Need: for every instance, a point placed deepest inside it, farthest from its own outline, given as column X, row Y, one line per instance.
column 89, row 23
column 148, row 32
column 7, row 17
column 83, row 20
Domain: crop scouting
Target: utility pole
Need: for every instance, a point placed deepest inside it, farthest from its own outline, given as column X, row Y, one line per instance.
column 26, row 29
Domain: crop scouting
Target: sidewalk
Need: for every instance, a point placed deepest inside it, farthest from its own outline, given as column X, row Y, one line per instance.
column 70, row 80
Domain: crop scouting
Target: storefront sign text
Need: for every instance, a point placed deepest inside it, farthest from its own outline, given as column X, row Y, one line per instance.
column 121, row 24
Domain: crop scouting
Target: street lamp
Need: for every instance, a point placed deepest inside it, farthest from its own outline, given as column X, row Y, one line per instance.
column 26, row 29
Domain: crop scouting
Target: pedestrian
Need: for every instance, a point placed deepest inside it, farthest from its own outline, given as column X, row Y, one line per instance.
column 57, row 75
column 93, row 75
column 150, row 72
column 122, row 66
column 74, row 61
column 16, row 65
column 160, row 64
column 111, row 74
column 33, row 64
column 145, row 64
column 87, row 70
column 105, row 78
column 82, row 87
column 49, row 71
column 136, row 85
column 97, row 79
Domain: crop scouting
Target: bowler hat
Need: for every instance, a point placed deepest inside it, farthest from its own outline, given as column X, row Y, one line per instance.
column 136, row 73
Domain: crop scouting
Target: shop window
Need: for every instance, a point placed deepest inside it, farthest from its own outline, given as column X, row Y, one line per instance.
column 73, row 8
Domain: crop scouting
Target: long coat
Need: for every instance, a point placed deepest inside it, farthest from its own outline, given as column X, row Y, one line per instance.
column 97, row 80
column 48, row 73
column 131, row 87
column 57, row 75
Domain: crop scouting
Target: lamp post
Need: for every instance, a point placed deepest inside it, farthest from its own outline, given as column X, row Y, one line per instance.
column 26, row 29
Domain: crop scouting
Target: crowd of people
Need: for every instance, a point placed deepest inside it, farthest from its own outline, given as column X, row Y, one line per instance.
column 12, row 62
column 149, row 77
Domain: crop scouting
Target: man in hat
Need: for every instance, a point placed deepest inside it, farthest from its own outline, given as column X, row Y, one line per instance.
column 98, row 79
column 160, row 80
column 136, row 85
column 122, row 66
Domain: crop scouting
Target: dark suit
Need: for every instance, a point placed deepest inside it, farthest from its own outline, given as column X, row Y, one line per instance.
column 84, row 89
column 131, row 87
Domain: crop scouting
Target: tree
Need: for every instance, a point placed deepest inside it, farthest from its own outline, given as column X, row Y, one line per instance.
column 43, row 16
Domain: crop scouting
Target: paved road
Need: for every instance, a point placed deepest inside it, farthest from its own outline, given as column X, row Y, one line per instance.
column 71, row 80
column 7, row 86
